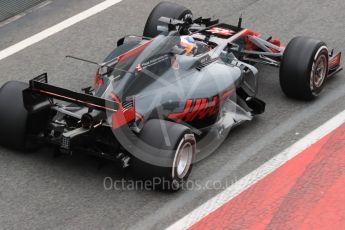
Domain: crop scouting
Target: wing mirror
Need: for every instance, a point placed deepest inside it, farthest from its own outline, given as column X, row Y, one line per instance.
column 162, row 28
column 129, row 40
column 177, row 50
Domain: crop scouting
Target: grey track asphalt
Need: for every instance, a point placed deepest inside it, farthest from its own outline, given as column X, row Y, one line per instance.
column 38, row 191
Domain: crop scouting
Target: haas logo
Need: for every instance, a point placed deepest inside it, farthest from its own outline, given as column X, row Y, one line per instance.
column 199, row 109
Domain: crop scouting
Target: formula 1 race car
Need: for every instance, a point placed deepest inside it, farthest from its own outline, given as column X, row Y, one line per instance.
column 161, row 98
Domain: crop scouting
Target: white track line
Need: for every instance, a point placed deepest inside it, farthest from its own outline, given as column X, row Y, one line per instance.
column 57, row 28
column 258, row 174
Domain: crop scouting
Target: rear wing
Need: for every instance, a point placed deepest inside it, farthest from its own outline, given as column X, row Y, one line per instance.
column 39, row 86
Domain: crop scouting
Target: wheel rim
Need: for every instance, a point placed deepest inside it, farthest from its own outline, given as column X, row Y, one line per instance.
column 320, row 71
column 184, row 160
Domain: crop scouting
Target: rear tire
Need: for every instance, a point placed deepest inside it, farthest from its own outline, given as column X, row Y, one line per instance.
column 13, row 115
column 304, row 68
column 20, row 125
column 176, row 158
column 164, row 9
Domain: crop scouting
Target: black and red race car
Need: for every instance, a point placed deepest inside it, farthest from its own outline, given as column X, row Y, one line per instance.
column 157, row 107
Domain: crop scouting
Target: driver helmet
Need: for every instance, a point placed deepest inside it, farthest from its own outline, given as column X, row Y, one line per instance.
column 188, row 44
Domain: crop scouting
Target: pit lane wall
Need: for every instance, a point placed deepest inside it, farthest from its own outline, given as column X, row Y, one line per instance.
column 10, row 8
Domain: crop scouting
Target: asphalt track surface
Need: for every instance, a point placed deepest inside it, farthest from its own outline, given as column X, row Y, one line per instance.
column 40, row 191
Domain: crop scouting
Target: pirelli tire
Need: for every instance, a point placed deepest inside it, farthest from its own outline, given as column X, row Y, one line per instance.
column 18, row 127
column 176, row 156
column 304, row 68
column 13, row 115
column 164, row 9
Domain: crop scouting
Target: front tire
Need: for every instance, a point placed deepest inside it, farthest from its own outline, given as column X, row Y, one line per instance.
column 164, row 9
column 304, row 68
